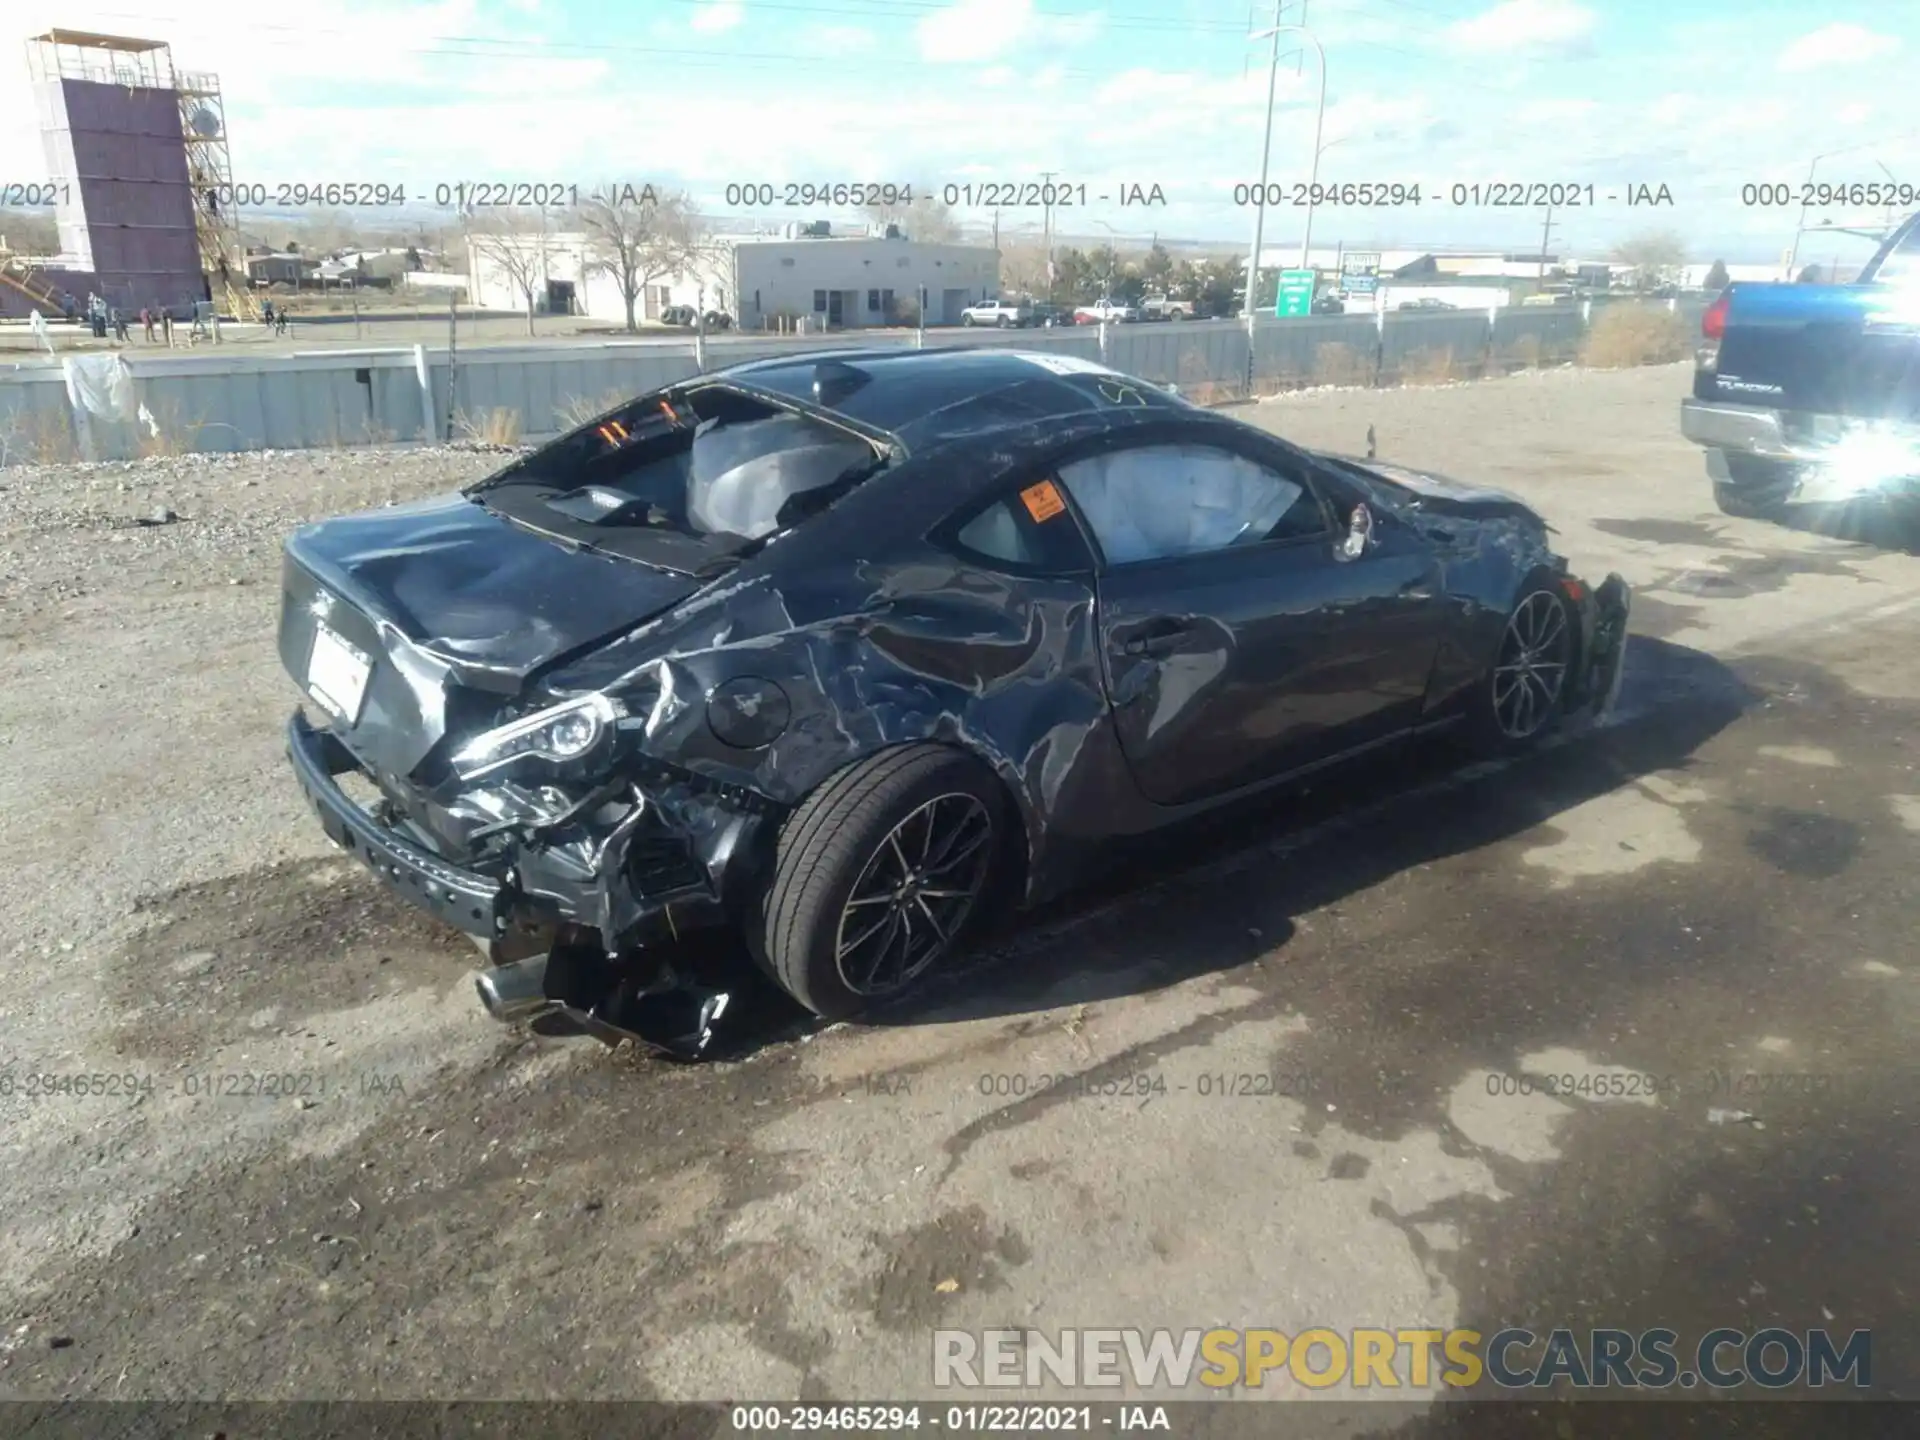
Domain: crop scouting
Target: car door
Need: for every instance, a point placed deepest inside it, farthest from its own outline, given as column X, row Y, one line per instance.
column 1240, row 640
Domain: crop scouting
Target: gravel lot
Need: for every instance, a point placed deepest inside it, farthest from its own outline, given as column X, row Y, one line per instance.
column 1721, row 881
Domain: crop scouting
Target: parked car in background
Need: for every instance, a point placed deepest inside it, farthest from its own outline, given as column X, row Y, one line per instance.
column 1426, row 302
column 852, row 657
column 1328, row 303
column 1108, row 309
column 1810, row 394
column 687, row 318
column 1163, row 307
column 1004, row 313
column 1047, row 314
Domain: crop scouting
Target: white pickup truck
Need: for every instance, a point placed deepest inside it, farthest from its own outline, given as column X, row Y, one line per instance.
column 1003, row 313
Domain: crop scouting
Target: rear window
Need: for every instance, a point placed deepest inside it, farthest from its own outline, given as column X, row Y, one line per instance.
column 714, row 465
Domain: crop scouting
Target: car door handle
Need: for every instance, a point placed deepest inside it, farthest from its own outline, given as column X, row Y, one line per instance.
column 1157, row 637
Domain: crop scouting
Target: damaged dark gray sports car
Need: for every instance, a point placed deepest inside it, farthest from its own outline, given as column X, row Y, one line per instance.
column 851, row 652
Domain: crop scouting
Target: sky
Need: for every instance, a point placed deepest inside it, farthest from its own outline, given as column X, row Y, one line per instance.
column 1702, row 97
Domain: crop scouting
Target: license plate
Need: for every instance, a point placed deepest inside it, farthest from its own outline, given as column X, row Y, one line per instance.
column 337, row 674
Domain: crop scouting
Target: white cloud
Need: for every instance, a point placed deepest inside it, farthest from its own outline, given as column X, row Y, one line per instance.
column 716, row 17
column 967, row 29
column 1524, row 25
column 962, row 32
column 1837, row 44
column 1557, row 111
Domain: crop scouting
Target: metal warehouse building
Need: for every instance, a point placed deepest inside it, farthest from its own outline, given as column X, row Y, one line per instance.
column 836, row 281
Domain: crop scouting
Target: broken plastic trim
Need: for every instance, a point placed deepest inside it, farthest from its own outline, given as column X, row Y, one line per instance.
column 612, row 1000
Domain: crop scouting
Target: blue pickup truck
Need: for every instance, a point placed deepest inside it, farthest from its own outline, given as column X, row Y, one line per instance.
column 1809, row 395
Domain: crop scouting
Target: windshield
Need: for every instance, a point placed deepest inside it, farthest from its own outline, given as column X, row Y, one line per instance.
column 683, row 479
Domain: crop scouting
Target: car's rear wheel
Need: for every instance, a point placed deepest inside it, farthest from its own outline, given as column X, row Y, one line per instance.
column 881, row 875
column 1522, row 695
column 966, row 320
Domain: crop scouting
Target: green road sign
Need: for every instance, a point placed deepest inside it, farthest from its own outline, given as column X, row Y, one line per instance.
column 1296, row 293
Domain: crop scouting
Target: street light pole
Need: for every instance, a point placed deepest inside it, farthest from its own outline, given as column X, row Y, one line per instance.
column 1266, row 156
column 1266, row 150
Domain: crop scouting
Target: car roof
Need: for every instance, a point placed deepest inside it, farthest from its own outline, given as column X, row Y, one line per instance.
column 927, row 397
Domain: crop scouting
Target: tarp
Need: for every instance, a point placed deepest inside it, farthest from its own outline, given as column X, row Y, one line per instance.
column 101, row 386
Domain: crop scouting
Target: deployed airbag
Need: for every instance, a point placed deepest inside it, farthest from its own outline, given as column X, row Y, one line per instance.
column 743, row 473
column 1169, row 500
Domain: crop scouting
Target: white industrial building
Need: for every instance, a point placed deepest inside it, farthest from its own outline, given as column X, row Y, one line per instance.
column 808, row 274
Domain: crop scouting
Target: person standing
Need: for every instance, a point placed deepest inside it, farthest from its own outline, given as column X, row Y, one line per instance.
column 146, row 322
column 166, row 325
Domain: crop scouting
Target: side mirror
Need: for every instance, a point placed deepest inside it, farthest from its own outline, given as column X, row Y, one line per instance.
column 1359, row 533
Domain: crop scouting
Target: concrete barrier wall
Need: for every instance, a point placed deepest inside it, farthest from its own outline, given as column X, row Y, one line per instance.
column 322, row 398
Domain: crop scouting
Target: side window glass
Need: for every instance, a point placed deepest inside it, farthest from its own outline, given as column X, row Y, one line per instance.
column 1163, row 501
column 996, row 534
column 1030, row 529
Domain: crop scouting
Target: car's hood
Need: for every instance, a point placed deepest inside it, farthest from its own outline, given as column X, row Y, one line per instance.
column 1438, row 495
column 490, row 599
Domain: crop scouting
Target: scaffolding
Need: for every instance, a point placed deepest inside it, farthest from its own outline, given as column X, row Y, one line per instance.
column 203, row 126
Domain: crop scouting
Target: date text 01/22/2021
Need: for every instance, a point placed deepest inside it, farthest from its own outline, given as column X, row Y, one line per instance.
column 1494, row 194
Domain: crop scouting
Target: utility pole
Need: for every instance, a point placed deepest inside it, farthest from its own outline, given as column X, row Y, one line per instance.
column 996, row 229
column 1546, row 232
column 1266, row 158
column 1046, row 225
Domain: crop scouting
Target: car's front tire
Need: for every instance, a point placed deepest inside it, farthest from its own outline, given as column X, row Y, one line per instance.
column 966, row 320
column 1521, row 696
column 880, row 875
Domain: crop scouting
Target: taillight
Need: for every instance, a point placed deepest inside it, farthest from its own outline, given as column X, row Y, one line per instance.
column 1713, row 324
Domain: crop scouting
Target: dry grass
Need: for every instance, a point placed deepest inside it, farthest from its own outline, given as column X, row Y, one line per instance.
column 498, row 426
column 1432, row 367
column 171, row 436
column 577, row 410
column 1338, row 363
column 1523, row 353
column 1624, row 335
column 38, row 437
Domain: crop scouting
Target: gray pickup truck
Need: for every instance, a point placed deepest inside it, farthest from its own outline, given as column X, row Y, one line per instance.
column 1809, row 395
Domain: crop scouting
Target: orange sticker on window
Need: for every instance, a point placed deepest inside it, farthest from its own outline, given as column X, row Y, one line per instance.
column 1043, row 501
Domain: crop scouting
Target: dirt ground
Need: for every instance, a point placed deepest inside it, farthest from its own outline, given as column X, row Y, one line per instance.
column 1720, row 882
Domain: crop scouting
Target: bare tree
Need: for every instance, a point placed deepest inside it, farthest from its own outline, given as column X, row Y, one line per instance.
column 637, row 235
column 1023, row 268
column 1653, row 255
column 516, row 246
column 925, row 218
column 28, row 232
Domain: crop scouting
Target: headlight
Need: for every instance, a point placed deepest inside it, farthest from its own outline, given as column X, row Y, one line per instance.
column 748, row 713
column 559, row 733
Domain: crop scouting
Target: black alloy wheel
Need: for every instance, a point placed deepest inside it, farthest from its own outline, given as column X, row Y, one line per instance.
column 915, row 895
column 1530, row 672
column 880, row 875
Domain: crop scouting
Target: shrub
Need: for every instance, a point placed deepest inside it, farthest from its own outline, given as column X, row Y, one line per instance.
column 1338, row 363
column 1624, row 335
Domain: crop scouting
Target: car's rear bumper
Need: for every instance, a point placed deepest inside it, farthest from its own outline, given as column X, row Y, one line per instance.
column 476, row 903
column 1795, row 457
column 1743, row 429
